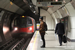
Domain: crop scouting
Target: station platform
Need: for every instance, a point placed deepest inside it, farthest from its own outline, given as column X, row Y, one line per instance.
column 51, row 42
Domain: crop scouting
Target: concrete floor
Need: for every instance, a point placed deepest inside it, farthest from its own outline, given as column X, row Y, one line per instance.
column 51, row 42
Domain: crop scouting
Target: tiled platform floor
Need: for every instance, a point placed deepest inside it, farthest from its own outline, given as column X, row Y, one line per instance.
column 51, row 42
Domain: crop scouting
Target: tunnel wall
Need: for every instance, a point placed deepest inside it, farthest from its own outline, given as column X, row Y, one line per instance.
column 71, row 10
column 52, row 15
column 49, row 20
column 56, row 15
column 6, row 18
column 34, row 2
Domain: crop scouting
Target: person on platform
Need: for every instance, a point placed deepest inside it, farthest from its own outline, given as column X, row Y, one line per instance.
column 60, row 30
column 42, row 31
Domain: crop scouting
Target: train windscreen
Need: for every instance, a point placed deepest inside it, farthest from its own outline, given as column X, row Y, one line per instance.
column 23, row 22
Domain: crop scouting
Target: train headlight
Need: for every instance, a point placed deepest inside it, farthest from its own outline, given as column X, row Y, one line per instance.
column 30, row 28
column 16, row 28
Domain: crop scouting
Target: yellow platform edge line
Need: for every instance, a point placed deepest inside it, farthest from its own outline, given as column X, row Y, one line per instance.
column 35, row 40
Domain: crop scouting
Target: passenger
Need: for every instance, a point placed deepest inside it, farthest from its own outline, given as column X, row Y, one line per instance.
column 60, row 30
column 42, row 31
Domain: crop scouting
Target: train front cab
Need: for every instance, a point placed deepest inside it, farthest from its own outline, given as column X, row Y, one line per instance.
column 25, row 27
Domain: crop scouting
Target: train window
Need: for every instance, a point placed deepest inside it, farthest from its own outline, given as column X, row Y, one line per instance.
column 22, row 22
column 29, row 22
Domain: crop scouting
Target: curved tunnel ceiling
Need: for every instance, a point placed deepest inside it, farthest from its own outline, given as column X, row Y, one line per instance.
column 16, row 6
column 21, row 4
column 7, row 5
column 54, row 7
column 24, row 4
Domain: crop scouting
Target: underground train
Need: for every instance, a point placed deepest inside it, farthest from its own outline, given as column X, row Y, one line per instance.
column 24, row 26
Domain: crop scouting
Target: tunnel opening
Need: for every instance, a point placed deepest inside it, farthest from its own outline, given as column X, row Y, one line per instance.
column 7, row 25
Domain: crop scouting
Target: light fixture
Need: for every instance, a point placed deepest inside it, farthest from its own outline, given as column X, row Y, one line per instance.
column 64, row 1
column 30, row 6
column 11, row 3
column 30, row 28
column 16, row 28
column 34, row 11
column 56, row 0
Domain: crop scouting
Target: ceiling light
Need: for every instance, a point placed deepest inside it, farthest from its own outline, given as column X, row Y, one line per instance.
column 34, row 11
column 30, row 6
column 11, row 3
